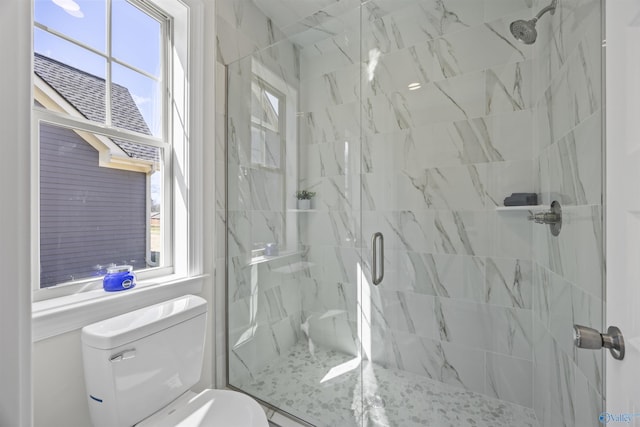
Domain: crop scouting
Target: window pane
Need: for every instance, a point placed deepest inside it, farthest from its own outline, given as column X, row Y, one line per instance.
column 272, row 149
column 100, row 204
column 82, row 20
column 136, row 102
column 257, row 145
column 142, row 47
column 74, row 76
column 264, row 107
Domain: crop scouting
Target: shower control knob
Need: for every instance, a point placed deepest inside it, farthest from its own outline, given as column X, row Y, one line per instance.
column 584, row 337
column 589, row 338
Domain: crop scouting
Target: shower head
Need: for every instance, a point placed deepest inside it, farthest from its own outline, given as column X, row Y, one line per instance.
column 525, row 31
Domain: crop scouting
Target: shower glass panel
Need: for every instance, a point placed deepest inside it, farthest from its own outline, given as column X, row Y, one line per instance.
column 293, row 125
column 412, row 120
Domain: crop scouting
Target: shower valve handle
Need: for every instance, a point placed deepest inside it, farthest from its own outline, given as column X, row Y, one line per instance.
column 589, row 338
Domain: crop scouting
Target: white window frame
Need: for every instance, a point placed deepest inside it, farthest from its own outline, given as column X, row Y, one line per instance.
column 61, row 309
column 289, row 154
column 76, row 122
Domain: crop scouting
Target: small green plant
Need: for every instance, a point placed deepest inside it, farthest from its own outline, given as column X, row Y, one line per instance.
column 304, row 194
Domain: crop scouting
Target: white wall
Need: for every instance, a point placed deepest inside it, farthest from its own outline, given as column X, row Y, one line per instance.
column 59, row 391
column 15, row 326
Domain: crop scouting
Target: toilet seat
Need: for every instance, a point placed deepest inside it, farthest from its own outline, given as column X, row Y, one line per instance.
column 210, row 408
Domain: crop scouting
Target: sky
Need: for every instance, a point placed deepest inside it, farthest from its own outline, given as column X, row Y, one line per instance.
column 133, row 32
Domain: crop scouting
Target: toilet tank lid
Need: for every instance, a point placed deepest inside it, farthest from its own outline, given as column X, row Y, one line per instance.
column 132, row 326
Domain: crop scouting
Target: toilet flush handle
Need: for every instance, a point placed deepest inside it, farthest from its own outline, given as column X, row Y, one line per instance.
column 123, row 355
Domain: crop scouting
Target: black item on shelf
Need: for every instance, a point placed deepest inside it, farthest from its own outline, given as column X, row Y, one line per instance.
column 521, row 199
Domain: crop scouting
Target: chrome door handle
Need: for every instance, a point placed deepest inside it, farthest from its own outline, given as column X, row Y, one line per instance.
column 589, row 338
column 377, row 238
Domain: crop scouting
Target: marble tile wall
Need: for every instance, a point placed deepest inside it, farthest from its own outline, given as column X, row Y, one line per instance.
column 471, row 297
column 456, row 304
column 568, row 270
column 265, row 311
column 264, row 301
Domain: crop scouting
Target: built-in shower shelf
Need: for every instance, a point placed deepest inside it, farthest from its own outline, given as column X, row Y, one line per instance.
column 526, row 208
column 262, row 258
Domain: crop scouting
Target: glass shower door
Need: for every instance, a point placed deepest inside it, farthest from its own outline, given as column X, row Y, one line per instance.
column 293, row 269
column 411, row 121
column 472, row 321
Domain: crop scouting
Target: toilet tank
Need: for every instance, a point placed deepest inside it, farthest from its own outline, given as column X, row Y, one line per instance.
column 137, row 363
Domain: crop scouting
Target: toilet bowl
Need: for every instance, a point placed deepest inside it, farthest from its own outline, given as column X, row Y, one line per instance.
column 224, row 408
column 139, row 368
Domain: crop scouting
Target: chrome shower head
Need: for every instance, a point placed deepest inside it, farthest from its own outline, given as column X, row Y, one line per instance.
column 524, row 31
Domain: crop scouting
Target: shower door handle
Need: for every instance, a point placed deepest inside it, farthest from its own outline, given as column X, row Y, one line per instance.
column 377, row 240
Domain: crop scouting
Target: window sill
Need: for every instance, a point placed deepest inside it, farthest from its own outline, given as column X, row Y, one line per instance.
column 57, row 316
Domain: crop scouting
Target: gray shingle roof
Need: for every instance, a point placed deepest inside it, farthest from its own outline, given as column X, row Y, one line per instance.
column 86, row 93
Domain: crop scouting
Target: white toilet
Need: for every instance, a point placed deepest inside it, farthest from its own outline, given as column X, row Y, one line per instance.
column 140, row 366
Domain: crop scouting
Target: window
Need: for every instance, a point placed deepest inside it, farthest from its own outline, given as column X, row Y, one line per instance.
column 107, row 138
column 273, row 179
column 267, row 140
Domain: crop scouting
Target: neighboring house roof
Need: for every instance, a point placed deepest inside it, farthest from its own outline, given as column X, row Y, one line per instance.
column 86, row 93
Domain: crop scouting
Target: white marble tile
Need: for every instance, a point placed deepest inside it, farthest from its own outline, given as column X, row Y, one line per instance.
column 331, row 124
column 501, row 330
column 579, row 257
column 498, row 8
column 561, row 314
column 445, row 188
column 567, row 29
column 399, row 69
column 542, row 379
column 459, row 232
column 505, row 178
column 286, row 333
column 232, row 44
column 562, row 397
column 286, row 12
column 447, row 363
column 541, row 294
column 418, row 22
column 250, row 351
column 403, row 311
column 509, row 282
column 511, row 234
column 574, row 164
column 332, row 329
column 331, row 55
column 589, row 403
column 243, row 28
column 474, row 49
column 335, row 19
column 333, row 88
column 453, row 99
column 239, row 232
column 510, row 379
column 575, row 94
column 509, row 88
column 408, row 231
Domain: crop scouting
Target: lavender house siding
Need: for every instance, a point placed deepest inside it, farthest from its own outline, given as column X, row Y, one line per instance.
column 89, row 215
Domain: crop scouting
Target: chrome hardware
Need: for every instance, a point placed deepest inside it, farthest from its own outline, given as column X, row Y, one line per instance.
column 377, row 238
column 123, row 355
column 589, row 338
column 552, row 217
